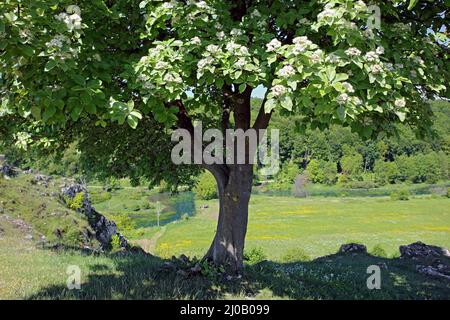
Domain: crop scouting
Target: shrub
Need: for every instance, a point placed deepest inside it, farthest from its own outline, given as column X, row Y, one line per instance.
column 378, row 251
column 352, row 165
column 76, row 203
column 322, row 171
column 115, row 243
column 402, row 194
column 124, row 223
column 448, row 192
column 385, row 172
column 294, row 255
column 286, row 177
column 206, row 188
column 255, row 255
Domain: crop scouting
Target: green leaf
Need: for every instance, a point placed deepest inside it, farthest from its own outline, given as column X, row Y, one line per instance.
column 286, row 103
column 269, row 105
column 49, row 112
column 401, row 115
column 75, row 113
column 242, row 87
column 136, row 114
column 132, row 121
column 412, row 4
column 341, row 77
column 36, row 112
column 331, row 73
column 341, row 113
column 50, row 65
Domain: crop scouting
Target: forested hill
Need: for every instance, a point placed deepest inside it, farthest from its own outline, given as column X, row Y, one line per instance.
column 335, row 155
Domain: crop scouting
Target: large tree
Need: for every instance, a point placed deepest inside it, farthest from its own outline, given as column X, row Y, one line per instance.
column 67, row 67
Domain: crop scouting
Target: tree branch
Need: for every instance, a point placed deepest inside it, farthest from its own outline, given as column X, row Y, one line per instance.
column 263, row 118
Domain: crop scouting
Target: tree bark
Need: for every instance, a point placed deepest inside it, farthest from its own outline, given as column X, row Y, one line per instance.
column 227, row 248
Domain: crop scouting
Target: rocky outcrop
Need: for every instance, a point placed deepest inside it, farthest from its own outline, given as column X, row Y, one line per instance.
column 353, row 248
column 8, row 171
column 104, row 229
column 432, row 261
column 422, row 250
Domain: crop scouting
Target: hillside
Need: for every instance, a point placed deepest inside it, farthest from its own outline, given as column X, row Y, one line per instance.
column 32, row 204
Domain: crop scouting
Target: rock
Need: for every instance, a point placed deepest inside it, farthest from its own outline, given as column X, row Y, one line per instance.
column 8, row 171
column 382, row 265
column 182, row 273
column 196, row 269
column 353, row 248
column 42, row 180
column 104, row 229
column 431, row 271
column 168, row 266
column 184, row 259
column 421, row 250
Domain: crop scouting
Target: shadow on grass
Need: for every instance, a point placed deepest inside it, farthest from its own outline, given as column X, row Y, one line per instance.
column 337, row 276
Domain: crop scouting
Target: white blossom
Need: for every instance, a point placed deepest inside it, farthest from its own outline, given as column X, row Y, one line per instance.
column 327, row 13
column 220, row 35
column 376, row 68
column 273, row 45
column 316, row 57
column 173, row 78
column 398, row 66
column 167, row 5
column 161, row 65
column 203, row 63
column 278, row 90
column 73, row 21
column 333, row 58
column 380, row 50
column 212, row 48
column 302, row 41
column 196, row 41
column 202, row 5
column 400, row 103
column 240, row 63
column 348, row 87
column 287, row 71
column 371, row 56
column 58, row 41
column 236, row 32
column 353, row 52
column 255, row 14
column 342, row 98
column 390, row 66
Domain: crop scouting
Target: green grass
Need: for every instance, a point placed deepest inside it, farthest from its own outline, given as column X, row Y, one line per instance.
column 283, row 228
column 31, row 273
column 319, row 225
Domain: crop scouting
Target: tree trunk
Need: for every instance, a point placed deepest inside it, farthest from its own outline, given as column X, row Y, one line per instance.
column 227, row 248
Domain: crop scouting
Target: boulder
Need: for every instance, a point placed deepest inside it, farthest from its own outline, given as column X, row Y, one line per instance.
column 421, row 250
column 8, row 171
column 104, row 229
column 353, row 248
column 432, row 272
